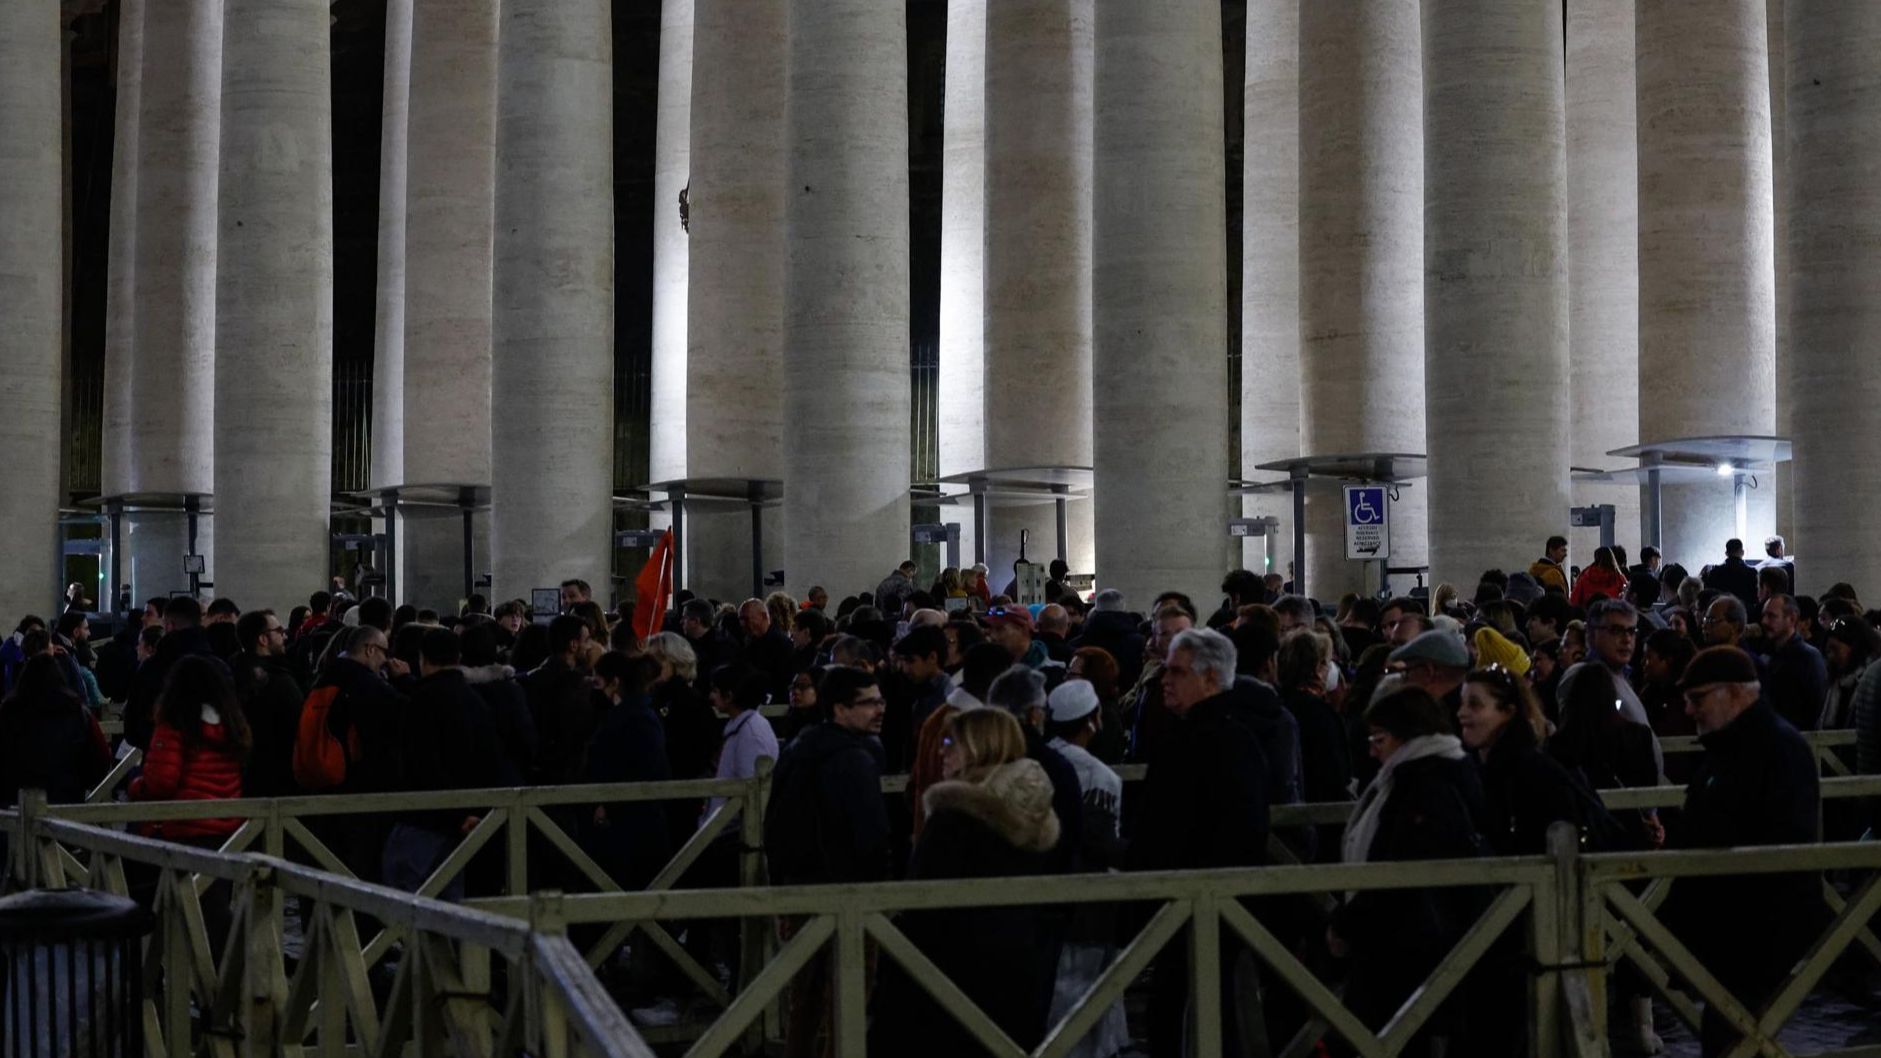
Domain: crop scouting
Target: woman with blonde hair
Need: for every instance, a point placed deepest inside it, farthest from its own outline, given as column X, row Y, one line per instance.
column 991, row 817
column 783, row 609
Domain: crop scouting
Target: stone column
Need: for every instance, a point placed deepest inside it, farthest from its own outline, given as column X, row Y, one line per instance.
column 1834, row 52
column 1037, row 333
column 553, row 344
column 1495, row 282
column 1361, row 262
column 274, row 337
column 30, row 293
column 1270, row 267
column 846, row 295
column 1159, row 297
column 734, row 326
column 672, row 150
column 1603, row 261
column 1780, row 193
column 1707, row 300
column 451, row 159
column 172, row 399
column 121, row 254
column 961, row 384
column 388, row 369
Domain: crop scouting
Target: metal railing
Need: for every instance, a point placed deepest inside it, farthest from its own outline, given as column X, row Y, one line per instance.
column 468, row 982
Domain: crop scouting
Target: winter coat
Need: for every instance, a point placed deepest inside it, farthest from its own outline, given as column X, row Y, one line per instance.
column 364, row 712
column 53, row 745
column 561, row 704
column 509, row 714
column 446, row 741
column 999, row 827
column 179, row 768
column 1524, row 792
column 1548, row 575
column 827, row 820
column 772, row 655
column 1738, row 578
column 1597, row 580
column 892, row 594
column 1756, row 785
column 1796, row 683
column 629, row 745
column 1325, row 753
column 1259, row 708
column 1204, row 798
column 271, row 700
column 147, row 686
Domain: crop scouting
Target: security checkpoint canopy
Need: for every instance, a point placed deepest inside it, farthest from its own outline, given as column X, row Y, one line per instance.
column 754, row 494
column 1745, row 451
column 1008, row 487
column 467, row 498
column 1388, row 467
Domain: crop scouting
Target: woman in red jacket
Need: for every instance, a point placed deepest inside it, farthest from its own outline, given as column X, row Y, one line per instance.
column 197, row 752
column 1604, row 577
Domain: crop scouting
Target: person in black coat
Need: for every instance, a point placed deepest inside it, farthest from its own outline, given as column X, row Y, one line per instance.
column 827, row 820
column 1756, row 785
column 1606, row 751
column 1734, row 576
column 991, row 817
column 1204, row 805
column 48, row 739
column 767, row 648
column 1021, row 692
column 1422, row 805
column 630, row 840
column 1112, row 628
column 508, row 703
column 561, row 703
column 182, row 637
column 1525, row 791
column 271, row 699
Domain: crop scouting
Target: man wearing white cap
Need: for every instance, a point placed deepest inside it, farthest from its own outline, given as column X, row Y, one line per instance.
column 1072, row 720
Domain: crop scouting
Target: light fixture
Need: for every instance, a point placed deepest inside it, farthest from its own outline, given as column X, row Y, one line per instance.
column 1725, row 470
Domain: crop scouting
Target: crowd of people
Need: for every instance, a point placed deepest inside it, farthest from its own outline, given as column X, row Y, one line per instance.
column 1460, row 726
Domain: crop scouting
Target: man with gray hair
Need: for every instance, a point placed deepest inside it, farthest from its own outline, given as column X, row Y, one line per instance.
column 1614, row 639
column 1021, row 692
column 1204, row 805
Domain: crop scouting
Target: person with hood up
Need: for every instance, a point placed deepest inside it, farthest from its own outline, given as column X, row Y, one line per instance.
column 991, row 817
column 1548, row 570
column 48, row 739
column 1111, row 626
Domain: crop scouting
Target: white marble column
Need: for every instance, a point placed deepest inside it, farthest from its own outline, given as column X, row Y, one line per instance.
column 1037, row 263
column 846, row 377
column 672, row 151
column 1834, row 52
column 1159, row 296
column 172, row 399
column 1495, row 283
column 734, row 327
column 30, row 293
column 553, row 344
column 388, row 369
column 1361, row 263
column 274, row 335
column 1707, row 300
column 1270, row 267
column 450, row 158
column 121, row 283
column 1603, row 261
column 961, row 382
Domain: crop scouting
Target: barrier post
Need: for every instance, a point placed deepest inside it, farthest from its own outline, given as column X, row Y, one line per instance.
column 32, row 807
column 754, row 933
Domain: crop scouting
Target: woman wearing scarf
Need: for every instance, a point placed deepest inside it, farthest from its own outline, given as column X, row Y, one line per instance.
column 1421, row 806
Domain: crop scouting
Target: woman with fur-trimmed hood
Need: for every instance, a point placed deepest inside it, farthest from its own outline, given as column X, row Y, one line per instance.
column 990, row 817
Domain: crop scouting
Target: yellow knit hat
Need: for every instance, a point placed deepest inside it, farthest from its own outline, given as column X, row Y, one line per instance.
column 1493, row 649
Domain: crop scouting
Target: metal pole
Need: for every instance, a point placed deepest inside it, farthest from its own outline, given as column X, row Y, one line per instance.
column 757, row 541
column 1298, row 476
column 389, row 501
column 1064, row 525
column 979, row 526
column 116, row 509
column 1740, row 498
column 1651, row 512
column 676, row 495
column 192, row 505
column 467, row 499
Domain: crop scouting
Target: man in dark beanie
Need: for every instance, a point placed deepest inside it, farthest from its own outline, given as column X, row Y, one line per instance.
column 1757, row 785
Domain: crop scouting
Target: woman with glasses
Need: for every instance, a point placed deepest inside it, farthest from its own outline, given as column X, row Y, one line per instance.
column 990, row 817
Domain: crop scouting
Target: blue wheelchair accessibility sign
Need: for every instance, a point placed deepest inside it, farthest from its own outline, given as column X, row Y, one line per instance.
column 1367, row 522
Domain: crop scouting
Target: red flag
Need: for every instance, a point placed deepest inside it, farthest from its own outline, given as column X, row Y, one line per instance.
column 653, row 588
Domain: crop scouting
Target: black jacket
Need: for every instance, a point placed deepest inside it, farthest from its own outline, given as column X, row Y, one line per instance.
column 446, row 741
column 630, row 746
column 1005, row 959
column 509, row 713
column 1258, row 707
column 561, row 703
column 1525, row 791
column 1796, row 683
column 1430, row 815
column 1325, row 752
column 1756, row 785
column 1735, row 577
column 1204, row 796
column 368, row 705
column 772, row 655
column 271, row 700
column 147, row 686
column 827, row 820
column 52, row 745
column 1116, row 632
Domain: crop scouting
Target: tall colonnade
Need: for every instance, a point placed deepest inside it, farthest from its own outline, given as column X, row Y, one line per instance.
column 1507, row 236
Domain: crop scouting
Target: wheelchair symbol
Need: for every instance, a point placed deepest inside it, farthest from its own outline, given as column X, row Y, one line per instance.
column 1363, row 513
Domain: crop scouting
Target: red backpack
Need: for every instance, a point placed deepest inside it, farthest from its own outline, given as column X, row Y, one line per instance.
column 319, row 756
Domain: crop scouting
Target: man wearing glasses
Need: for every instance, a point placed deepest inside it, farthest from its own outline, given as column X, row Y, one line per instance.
column 1756, row 785
column 1613, row 634
column 271, row 699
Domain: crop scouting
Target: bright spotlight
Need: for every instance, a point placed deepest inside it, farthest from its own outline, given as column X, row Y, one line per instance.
column 1725, row 470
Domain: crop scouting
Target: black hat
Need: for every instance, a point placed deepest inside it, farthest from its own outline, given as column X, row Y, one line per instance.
column 1718, row 665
